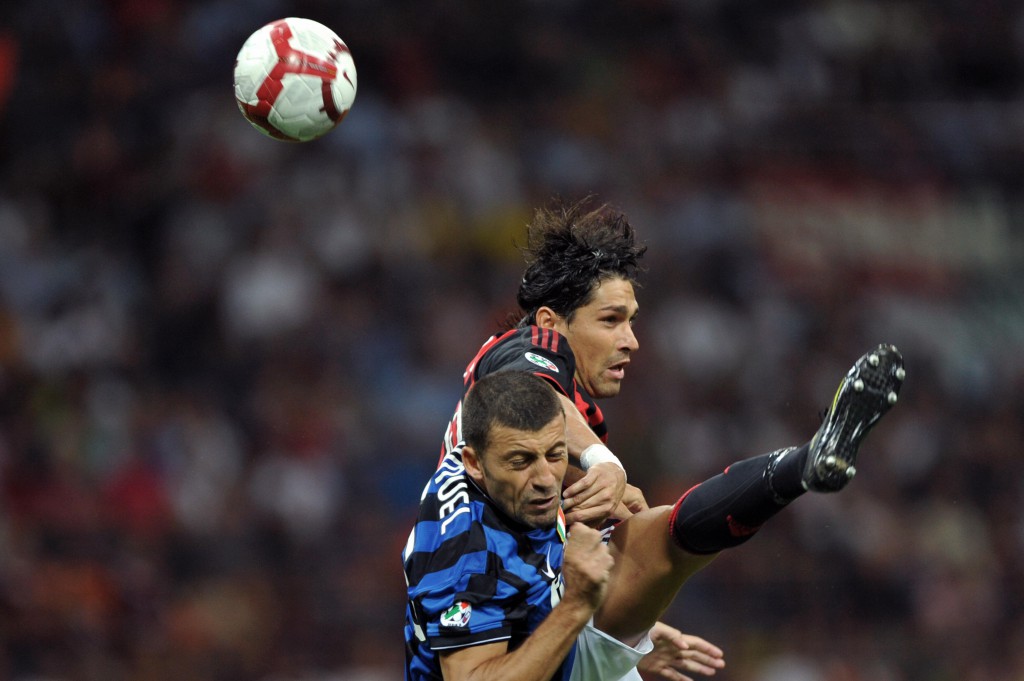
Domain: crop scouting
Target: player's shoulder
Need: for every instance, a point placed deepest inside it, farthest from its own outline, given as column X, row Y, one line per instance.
column 455, row 531
column 530, row 348
column 541, row 338
column 450, row 503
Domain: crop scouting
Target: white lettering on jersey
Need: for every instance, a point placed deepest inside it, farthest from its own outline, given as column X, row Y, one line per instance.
column 453, row 490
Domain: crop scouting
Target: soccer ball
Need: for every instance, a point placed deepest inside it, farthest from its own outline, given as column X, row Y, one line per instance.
column 294, row 79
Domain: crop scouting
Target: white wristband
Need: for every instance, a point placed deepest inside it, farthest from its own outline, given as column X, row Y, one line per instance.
column 598, row 453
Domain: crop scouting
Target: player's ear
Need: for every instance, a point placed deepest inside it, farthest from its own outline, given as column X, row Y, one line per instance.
column 546, row 317
column 471, row 462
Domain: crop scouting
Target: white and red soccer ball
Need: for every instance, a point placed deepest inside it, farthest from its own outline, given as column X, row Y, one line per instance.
column 294, row 79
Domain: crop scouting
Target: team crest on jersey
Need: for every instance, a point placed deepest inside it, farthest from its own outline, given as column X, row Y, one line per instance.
column 542, row 362
column 560, row 525
column 457, row 615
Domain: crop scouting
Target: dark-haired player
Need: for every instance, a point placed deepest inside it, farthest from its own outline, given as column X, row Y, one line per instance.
column 497, row 591
column 578, row 306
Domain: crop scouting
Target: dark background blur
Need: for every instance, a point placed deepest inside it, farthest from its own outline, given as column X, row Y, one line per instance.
column 226, row 362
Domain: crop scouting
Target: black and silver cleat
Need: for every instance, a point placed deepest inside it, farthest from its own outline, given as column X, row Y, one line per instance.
column 869, row 389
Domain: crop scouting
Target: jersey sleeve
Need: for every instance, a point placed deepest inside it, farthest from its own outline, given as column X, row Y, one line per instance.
column 464, row 615
column 543, row 352
column 455, row 594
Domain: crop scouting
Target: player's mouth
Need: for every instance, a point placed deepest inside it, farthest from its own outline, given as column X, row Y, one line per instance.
column 543, row 505
column 618, row 371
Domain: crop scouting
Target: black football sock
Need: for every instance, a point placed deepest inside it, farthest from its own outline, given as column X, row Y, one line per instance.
column 726, row 510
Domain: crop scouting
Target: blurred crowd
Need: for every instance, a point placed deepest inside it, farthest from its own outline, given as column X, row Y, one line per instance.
column 226, row 361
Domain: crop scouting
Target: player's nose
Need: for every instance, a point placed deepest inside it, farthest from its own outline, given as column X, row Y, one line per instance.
column 629, row 342
column 546, row 478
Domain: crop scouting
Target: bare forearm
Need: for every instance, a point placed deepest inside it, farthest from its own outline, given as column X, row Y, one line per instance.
column 541, row 654
column 579, row 435
column 592, row 491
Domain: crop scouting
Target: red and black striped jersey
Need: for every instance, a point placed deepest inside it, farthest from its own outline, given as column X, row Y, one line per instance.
column 543, row 352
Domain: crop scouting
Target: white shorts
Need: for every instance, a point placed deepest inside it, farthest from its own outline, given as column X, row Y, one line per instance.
column 599, row 657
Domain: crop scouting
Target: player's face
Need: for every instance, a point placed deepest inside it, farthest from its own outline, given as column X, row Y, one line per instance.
column 601, row 337
column 522, row 471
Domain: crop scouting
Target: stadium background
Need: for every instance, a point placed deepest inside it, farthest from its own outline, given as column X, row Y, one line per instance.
column 225, row 362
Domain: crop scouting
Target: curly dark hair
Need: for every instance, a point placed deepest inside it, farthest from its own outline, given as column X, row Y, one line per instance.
column 570, row 250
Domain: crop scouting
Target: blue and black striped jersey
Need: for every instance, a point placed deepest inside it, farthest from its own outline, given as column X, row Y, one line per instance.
column 474, row 575
column 543, row 352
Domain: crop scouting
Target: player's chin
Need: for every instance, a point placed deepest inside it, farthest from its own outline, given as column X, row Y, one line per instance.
column 540, row 515
column 607, row 389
